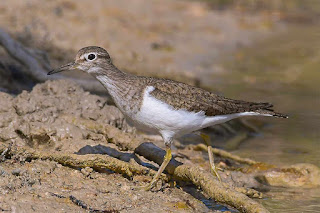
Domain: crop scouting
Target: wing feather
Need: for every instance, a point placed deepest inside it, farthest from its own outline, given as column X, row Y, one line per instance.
column 193, row 99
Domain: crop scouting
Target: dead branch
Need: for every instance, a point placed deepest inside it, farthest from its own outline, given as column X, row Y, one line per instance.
column 38, row 65
column 218, row 191
column 97, row 162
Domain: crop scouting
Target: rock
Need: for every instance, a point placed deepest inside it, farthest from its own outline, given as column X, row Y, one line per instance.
column 298, row 175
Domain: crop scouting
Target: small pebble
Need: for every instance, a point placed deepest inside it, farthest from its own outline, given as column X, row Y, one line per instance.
column 32, row 182
column 86, row 171
column 16, row 172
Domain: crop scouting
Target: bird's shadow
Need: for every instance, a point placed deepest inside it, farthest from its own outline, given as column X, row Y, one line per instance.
column 105, row 150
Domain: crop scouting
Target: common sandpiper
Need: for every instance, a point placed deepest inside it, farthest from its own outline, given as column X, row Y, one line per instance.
column 163, row 106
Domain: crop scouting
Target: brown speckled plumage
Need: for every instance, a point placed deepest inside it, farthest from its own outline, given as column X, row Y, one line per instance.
column 128, row 90
column 183, row 96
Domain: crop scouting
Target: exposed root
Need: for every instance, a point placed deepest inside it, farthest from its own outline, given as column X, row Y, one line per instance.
column 220, row 192
column 97, row 162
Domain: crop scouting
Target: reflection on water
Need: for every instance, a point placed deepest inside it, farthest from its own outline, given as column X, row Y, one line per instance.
column 285, row 71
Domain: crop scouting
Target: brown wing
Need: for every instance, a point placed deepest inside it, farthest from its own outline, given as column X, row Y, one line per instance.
column 193, row 99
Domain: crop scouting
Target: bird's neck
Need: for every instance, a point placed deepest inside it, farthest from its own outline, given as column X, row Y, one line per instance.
column 117, row 83
column 110, row 76
column 109, row 71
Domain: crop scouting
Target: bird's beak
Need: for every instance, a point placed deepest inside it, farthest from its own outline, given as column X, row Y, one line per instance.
column 66, row 67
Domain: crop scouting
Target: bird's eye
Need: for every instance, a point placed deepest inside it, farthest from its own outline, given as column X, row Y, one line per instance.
column 91, row 57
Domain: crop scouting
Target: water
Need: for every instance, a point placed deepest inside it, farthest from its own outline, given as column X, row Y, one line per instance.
column 293, row 200
column 284, row 70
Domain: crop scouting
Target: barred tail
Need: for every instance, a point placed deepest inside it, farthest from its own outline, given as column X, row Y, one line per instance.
column 266, row 108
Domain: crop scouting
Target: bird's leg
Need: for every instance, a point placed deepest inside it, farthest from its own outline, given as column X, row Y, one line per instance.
column 164, row 164
column 213, row 168
column 205, row 138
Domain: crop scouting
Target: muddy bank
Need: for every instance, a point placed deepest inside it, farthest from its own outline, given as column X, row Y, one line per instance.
column 35, row 120
column 58, row 117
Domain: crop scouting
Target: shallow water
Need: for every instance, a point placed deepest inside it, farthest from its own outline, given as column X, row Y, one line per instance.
column 283, row 70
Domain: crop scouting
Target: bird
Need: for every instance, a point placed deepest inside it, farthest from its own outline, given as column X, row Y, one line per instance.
column 162, row 106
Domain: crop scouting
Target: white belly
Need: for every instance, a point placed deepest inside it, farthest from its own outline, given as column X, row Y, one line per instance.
column 160, row 117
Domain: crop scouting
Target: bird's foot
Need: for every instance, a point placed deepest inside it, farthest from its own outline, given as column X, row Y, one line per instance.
column 148, row 186
column 214, row 171
column 155, row 179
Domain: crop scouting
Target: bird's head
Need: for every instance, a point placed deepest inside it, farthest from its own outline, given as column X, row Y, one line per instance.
column 90, row 59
